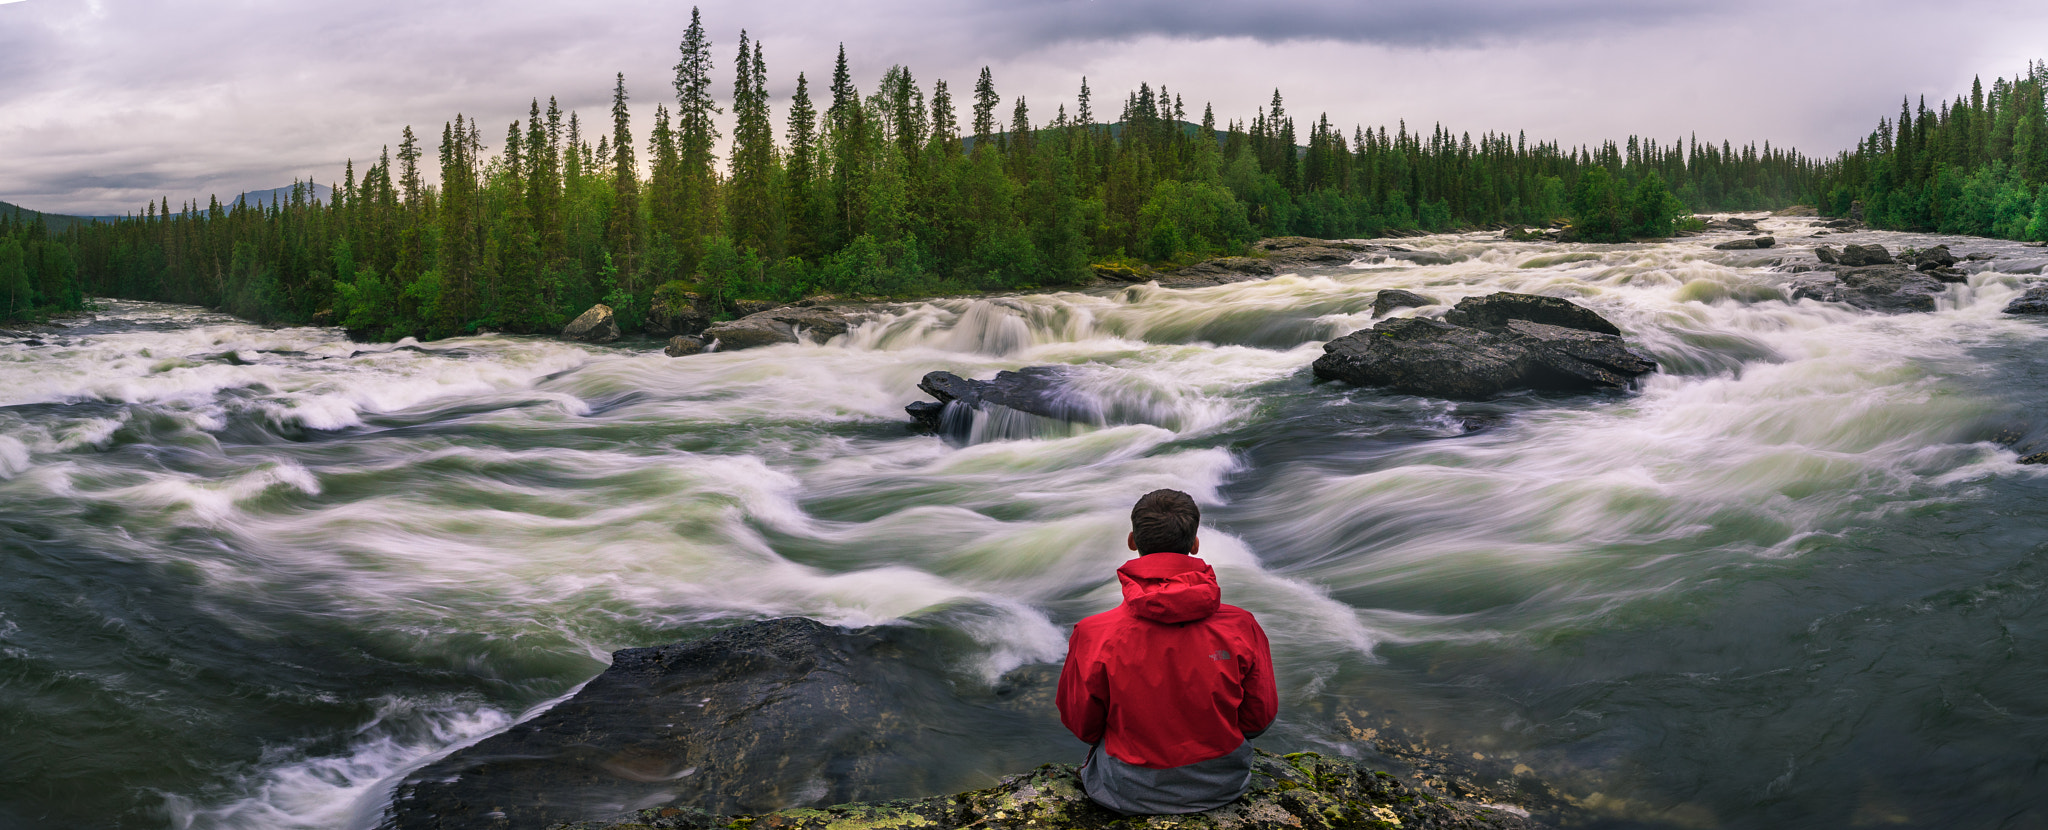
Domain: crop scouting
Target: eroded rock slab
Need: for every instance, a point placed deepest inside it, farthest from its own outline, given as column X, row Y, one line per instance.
column 1888, row 288
column 1393, row 298
column 787, row 324
column 1493, row 311
column 1033, row 390
column 1486, row 346
column 759, row 717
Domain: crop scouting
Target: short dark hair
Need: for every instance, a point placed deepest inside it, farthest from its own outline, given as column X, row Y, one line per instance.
column 1164, row 521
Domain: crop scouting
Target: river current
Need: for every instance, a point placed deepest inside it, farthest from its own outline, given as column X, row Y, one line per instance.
column 250, row 576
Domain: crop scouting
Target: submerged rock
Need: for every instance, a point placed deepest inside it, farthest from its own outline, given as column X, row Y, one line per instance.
column 2035, row 301
column 1393, row 298
column 593, row 326
column 1303, row 790
column 1886, row 288
column 1856, row 256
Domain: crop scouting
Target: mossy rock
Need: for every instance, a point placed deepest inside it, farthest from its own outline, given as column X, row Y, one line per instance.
column 1303, row 790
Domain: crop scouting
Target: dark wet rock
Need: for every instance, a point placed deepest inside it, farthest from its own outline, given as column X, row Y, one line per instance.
column 1279, row 244
column 2036, row 458
column 594, row 326
column 1857, row 256
column 1591, row 358
column 1797, row 210
column 1827, row 254
column 684, row 345
column 1304, row 790
column 1424, row 257
column 785, row 324
column 1238, row 267
column 1746, row 244
column 2035, row 301
column 764, row 716
column 1843, row 224
column 749, row 333
column 1946, row 274
column 1521, row 233
column 1393, row 298
column 815, row 323
column 1979, row 257
column 1928, row 260
column 1034, row 390
column 1439, row 359
column 1493, row 311
column 1886, row 288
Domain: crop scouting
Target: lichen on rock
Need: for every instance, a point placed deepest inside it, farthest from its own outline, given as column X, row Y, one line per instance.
column 1303, row 790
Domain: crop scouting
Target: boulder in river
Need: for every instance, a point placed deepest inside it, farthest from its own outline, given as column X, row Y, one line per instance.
column 2035, row 301
column 1493, row 311
column 1929, row 259
column 683, row 345
column 1033, row 390
column 1392, row 298
column 1888, row 288
column 1442, row 359
column 594, row 326
column 1750, row 244
column 787, row 324
column 1827, row 254
column 1857, row 256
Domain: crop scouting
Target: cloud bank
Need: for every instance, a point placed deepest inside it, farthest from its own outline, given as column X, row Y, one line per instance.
column 108, row 103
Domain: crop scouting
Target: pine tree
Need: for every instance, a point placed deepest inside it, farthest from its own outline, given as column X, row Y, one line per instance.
column 751, row 205
column 696, row 137
column 985, row 101
column 622, row 229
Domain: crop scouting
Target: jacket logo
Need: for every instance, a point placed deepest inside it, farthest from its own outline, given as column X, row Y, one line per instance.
column 1220, row 655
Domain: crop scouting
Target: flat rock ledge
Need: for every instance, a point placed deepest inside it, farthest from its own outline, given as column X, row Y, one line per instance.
column 1303, row 790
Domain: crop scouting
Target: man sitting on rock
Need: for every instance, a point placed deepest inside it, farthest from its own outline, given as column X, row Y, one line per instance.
column 1170, row 686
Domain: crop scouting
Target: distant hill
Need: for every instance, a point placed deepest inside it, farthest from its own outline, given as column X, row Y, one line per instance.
column 54, row 221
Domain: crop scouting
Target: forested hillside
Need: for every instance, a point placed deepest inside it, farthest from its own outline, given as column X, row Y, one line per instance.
column 1976, row 165
column 874, row 193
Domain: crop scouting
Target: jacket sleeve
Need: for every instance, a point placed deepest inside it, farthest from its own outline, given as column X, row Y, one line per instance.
column 1261, row 698
column 1083, row 695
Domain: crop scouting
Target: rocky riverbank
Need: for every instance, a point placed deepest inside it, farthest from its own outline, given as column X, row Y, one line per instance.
column 768, row 724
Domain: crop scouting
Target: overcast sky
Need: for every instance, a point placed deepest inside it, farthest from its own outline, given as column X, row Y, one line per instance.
column 107, row 103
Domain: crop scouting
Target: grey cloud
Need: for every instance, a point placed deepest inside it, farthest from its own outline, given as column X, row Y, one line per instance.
column 106, row 103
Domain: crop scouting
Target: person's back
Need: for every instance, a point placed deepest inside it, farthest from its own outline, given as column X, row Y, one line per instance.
column 1170, row 685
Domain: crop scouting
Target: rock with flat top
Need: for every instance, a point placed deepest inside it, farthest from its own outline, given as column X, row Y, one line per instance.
column 1493, row 311
column 1891, row 289
column 2035, row 301
column 1857, row 256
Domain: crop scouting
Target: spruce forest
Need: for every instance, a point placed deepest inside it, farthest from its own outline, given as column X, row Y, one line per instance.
column 907, row 190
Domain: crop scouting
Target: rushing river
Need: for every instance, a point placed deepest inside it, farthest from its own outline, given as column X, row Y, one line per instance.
column 249, row 575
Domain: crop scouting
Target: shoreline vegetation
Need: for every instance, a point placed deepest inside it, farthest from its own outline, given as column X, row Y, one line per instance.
column 902, row 189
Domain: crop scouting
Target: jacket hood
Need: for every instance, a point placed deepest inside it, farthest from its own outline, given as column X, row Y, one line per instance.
column 1170, row 587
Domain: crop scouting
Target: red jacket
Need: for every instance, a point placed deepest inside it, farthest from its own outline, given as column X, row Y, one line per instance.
column 1172, row 676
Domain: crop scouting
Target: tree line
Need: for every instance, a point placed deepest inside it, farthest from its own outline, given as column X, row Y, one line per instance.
column 1977, row 165
column 38, row 275
column 901, row 190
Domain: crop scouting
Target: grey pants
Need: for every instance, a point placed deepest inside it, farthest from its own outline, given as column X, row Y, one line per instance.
column 1140, row 791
